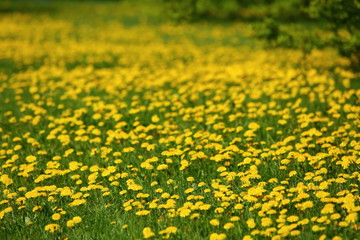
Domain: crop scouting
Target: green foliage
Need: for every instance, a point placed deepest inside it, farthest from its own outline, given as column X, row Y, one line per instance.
column 193, row 10
column 340, row 18
column 277, row 35
column 181, row 9
column 350, row 48
column 343, row 19
column 338, row 13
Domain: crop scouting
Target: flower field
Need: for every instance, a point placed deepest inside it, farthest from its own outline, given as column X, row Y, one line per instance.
column 123, row 129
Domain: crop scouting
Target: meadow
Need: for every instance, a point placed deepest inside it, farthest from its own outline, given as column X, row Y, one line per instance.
column 116, row 125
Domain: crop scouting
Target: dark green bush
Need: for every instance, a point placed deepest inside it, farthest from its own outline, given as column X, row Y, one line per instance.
column 343, row 19
column 193, row 10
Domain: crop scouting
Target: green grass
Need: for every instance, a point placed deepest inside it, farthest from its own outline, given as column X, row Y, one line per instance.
column 117, row 80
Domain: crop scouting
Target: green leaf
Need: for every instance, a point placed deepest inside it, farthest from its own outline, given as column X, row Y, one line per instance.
column 27, row 220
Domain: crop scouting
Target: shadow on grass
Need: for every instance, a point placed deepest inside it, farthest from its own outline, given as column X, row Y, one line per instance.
column 35, row 6
column 246, row 16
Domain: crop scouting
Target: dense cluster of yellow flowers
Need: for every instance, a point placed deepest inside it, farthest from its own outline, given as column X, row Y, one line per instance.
column 177, row 128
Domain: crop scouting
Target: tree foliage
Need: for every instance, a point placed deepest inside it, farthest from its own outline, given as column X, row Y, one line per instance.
column 343, row 19
column 340, row 18
column 193, row 10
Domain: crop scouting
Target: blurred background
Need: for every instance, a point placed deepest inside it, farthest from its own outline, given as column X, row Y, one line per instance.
column 296, row 24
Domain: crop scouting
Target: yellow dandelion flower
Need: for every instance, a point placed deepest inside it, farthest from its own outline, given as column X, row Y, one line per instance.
column 148, row 233
column 292, row 218
column 77, row 219
column 185, row 212
column 216, row 236
column 56, row 216
column 142, row 212
column 228, row 225
column 239, row 206
column 265, row 222
column 155, row 118
column 171, row 229
column 214, row 222
column 6, row 180
column 219, row 210
column 351, row 218
column 247, row 237
column 337, row 238
column 70, row 223
column 335, row 216
column 30, row 158
column 254, row 126
column 52, row 227
column 251, row 223
column 328, row 208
